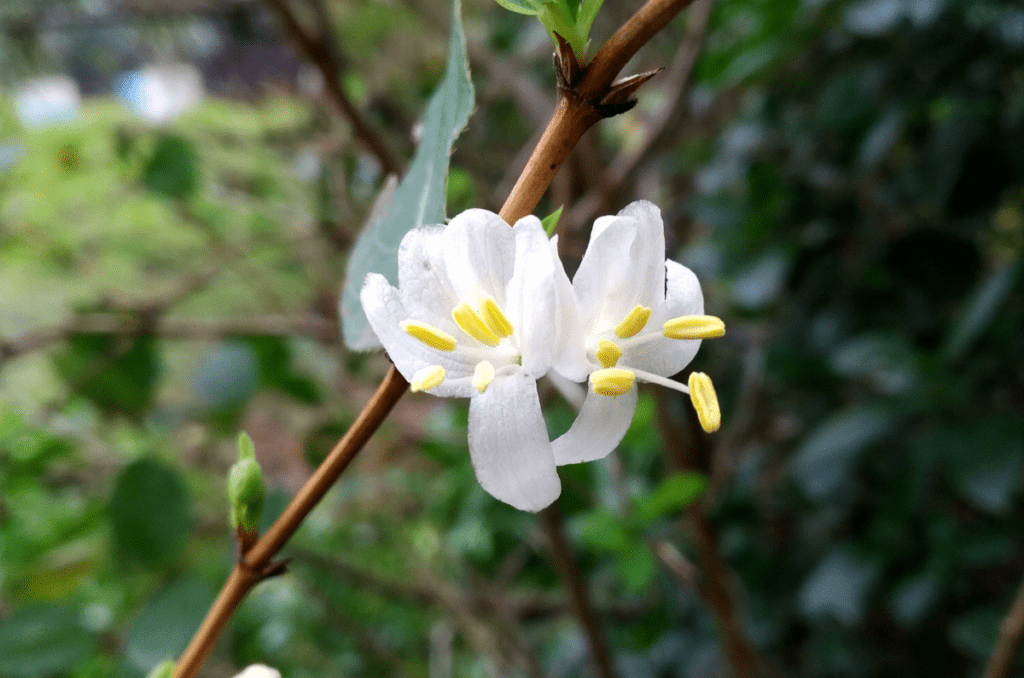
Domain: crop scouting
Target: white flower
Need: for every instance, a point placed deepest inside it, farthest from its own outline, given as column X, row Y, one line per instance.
column 641, row 318
column 259, row 671
column 479, row 312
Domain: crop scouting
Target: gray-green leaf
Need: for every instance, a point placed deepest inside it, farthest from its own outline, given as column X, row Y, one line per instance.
column 419, row 198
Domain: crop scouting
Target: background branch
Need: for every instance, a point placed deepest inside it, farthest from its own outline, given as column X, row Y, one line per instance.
column 1011, row 632
column 579, row 597
column 322, row 53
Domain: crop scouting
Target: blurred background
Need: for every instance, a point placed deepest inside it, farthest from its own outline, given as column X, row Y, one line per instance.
column 178, row 195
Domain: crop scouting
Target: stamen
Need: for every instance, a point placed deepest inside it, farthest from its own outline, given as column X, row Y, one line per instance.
column 483, row 375
column 429, row 335
column 612, row 381
column 427, row 378
column 470, row 323
column 633, row 322
column 607, row 353
column 496, row 320
column 705, row 401
column 693, row 327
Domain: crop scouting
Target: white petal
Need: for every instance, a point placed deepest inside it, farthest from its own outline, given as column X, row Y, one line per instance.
column 531, row 297
column 647, row 255
column 669, row 356
column 570, row 358
column 479, row 254
column 385, row 310
column 259, row 671
column 604, row 282
column 598, row 429
column 423, row 277
column 622, row 267
column 508, row 443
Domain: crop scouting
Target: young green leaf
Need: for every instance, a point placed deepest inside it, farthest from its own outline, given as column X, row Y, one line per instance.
column 528, row 7
column 550, row 222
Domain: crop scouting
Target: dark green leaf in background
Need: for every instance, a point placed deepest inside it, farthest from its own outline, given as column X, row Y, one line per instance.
column 119, row 374
column 165, row 625
column 172, row 169
column 149, row 513
column 42, row 640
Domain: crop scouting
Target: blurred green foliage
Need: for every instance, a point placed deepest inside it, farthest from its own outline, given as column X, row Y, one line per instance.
column 847, row 181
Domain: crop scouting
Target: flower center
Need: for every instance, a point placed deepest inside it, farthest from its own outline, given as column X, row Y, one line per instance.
column 486, row 323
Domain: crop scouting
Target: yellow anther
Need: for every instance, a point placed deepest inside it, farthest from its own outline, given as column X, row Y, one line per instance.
column 633, row 322
column 483, row 375
column 496, row 320
column 429, row 335
column 705, row 401
column 473, row 325
column 427, row 378
column 612, row 381
column 694, row 327
column 607, row 353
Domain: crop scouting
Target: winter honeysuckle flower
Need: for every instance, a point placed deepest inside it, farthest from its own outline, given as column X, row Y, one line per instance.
column 641, row 319
column 479, row 312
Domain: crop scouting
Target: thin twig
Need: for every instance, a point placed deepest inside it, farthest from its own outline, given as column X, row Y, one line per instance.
column 1011, row 632
column 578, row 106
column 688, row 449
column 579, row 597
column 621, row 172
column 322, row 54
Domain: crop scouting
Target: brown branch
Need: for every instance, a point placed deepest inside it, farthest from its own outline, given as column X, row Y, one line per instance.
column 252, row 566
column 576, row 112
column 1011, row 632
column 579, row 597
column 321, row 53
column 620, row 174
column 579, row 104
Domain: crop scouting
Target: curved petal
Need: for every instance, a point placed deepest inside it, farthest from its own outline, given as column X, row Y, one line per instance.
column 427, row 291
column 570, row 352
column 508, row 443
column 599, row 428
column 385, row 311
column 622, row 266
column 669, row 356
column 479, row 252
column 603, row 283
column 531, row 296
column 647, row 255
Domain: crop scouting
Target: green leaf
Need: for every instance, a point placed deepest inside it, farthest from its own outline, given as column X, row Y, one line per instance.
column 118, row 376
column 164, row 669
column 674, row 494
column 980, row 310
column 166, row 624
column 604, row 531
column 557, row 18
column 528, row 7
column 41, row 641
column 149, row 513
column 550, row 222
column 827, row 457
column 585, row 16
column 173, row 168
column 419, row 198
